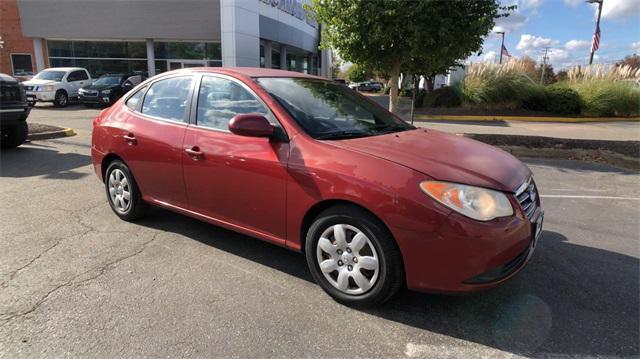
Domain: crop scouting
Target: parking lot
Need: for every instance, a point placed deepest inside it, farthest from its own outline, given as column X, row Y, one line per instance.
column 77, row 281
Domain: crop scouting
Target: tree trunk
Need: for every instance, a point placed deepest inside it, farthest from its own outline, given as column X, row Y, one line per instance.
column 428, row 81
column 393, row 87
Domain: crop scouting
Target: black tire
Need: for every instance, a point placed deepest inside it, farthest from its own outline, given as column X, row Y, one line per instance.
column 14, row 135
column 137, row 207
column 61, row 98
column 391, row 269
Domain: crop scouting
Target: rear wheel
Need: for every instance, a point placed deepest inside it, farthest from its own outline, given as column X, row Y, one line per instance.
column 123, row 193
column 353, row 257
column 12, row 136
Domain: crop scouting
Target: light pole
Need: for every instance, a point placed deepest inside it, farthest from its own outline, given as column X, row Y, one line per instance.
column 597, row 32
column 501, row 44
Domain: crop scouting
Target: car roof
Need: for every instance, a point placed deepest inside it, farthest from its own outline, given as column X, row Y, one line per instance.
column 65, row 69
column 254, row 72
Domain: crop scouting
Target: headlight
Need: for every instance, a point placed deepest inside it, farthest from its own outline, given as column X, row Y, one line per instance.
column 105, row 92
column 47, row 88
column 474, row 202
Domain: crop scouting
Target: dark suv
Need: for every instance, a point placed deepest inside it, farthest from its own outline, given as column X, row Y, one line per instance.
column 14, row 110
column 108, row 88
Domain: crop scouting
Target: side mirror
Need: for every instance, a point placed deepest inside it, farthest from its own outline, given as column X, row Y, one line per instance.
column 127, row 86
column 251, row 125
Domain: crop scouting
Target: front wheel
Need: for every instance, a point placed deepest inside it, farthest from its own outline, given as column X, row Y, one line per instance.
column 353, row 257
column 13, row 136
column 122, row 192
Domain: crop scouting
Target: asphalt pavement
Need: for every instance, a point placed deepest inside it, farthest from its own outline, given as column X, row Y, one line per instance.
column 75, row 281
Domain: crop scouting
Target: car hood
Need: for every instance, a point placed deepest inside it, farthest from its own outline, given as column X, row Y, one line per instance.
column 99, row 87
column 38, row 82
column 446, row 157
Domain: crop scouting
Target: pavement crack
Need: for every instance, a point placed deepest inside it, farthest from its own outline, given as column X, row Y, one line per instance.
column 23, row 267
column 100, row 271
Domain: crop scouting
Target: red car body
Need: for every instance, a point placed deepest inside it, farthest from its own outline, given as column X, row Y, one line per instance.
column 271, row 190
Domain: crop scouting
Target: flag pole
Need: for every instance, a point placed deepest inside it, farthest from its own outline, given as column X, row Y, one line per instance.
column 597, row 28
column 501, row 45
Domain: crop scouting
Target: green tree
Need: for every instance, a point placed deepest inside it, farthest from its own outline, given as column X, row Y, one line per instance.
column 391, row 35
column 358, row 73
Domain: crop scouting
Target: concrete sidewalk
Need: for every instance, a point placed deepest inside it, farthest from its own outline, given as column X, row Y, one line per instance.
column 613, row 131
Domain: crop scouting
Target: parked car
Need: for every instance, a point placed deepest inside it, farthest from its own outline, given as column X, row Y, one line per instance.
column 108, row 88
column 57, row 84
column 305, row 163
column 367, row 86
column 14, row 110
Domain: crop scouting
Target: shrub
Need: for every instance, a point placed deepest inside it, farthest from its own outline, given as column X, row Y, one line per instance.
column 562, row 100
column 449, row 96
column 491, row 86
column 602, row 97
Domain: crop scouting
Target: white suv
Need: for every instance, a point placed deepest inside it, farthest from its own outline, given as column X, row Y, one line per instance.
column 57, row 85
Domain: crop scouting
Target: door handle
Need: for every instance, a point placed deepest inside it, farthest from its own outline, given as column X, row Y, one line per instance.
column 130, row 138
column 194, row 152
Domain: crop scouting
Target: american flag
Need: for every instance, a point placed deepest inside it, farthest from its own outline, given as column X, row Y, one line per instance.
column 505, row 52
column 596, row 40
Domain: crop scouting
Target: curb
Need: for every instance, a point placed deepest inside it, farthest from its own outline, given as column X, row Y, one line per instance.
column 65, row 132
column 623, row 154
column 424, row 117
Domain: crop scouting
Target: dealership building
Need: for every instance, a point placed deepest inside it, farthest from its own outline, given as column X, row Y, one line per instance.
column 155, row 36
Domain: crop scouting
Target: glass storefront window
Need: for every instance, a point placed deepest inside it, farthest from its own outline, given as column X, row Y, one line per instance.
column 262, row 60
column 188, row 50
column 99, row 67
column 275, row 59
column 98, row 49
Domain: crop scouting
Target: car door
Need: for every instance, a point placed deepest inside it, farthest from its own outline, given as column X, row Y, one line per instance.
column 76, row 80
column 155, row 128
column 234, row 179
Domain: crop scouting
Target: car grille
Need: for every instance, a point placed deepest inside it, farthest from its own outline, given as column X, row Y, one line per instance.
column 89, row 93
column 502, row 271
column 527, row 196
column 10, row 93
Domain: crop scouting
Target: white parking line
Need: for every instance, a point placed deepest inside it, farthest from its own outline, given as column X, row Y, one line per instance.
column 589, row 197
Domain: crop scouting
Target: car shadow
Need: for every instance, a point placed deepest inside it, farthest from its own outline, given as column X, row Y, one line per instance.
column 570, row 299
column 72, row 106
column 29, row 161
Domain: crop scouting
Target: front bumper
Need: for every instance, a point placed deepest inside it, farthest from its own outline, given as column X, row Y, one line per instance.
column 44, row 96
column 463, row 255
column 99, row 99
column 14, row 114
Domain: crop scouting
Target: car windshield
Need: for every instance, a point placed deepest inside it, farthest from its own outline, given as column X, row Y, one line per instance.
column 327, row 110
column 50, row 75
column 108, row 80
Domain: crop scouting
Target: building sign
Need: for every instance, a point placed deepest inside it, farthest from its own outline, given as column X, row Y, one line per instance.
column 294, row 8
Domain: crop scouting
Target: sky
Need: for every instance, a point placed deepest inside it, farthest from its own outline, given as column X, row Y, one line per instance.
column 567, row 27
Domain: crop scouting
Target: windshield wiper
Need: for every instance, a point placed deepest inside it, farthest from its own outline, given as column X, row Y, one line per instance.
column 392, row 128
column 342, row 134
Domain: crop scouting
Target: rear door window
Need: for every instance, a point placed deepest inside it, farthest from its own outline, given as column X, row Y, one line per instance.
column 168, row 99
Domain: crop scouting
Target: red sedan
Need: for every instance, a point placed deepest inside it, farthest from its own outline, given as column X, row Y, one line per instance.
column 310, row 165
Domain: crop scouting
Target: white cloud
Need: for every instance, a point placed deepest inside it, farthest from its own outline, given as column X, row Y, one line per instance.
column 558, row 55
column 530, row 4
column 530, row 43
column 577, row 45
column 573, row 3
column 635, row 45
column 615, row 9
column 490, row 56
column 515, row 21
